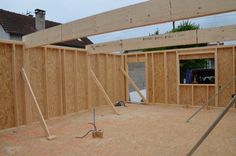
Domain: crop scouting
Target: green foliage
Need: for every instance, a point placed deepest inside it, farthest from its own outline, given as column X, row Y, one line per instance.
column 185, row 26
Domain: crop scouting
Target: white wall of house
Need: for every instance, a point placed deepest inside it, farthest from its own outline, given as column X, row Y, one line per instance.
column 3, row 34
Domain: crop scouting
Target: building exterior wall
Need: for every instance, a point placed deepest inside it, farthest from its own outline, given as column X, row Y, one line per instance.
column 3, row 34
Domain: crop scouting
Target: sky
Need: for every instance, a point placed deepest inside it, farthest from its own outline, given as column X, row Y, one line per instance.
column 69, row 10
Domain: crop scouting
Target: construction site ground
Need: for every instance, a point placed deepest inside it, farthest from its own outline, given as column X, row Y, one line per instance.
column 140, row 130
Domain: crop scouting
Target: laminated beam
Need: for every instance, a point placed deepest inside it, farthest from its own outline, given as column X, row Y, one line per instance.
column 138, row 15
column 224, row 33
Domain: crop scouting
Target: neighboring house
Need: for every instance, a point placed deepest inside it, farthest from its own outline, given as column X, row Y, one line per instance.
column 13, row 26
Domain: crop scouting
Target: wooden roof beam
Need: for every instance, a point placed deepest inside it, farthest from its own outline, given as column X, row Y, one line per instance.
column 224, row 33
column 138, row 15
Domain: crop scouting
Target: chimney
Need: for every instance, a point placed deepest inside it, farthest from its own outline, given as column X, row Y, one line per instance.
column 39, row 19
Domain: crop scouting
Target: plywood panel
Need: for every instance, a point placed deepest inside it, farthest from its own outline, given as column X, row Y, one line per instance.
column 110, row 77
column 211, row 93
column 53, row 81
column 200, row 95
column 171, row 78
column 36, row 76
column 82, row 80
column 225, row 73
column 20, row 84
column 159, row 77
column 185, row 95
column 70, row 81
column 93, row 86
column 101, row 62
column 6, row 89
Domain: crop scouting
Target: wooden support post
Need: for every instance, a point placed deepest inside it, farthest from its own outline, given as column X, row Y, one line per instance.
column 153, row 81
column 92, row 74
column 192, row 95
column 133, row 84
column 44, row 125
column 88, row 81
column 216, row 77
column 146, row 78
column 178, row 78
column 76, row 108
column 126, row 81
column 60, row 79
column 234, row 72
column 166, row 77
column 64, row 82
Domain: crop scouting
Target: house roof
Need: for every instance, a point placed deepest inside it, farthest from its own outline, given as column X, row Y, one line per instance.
column 18, row 24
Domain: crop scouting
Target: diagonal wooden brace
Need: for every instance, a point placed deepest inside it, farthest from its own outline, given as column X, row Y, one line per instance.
column 44, row 125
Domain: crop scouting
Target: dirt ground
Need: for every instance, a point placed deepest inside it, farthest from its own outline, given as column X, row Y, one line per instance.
column 140, row 130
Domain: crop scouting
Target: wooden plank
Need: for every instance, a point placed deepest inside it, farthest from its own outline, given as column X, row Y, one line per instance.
column 143, row 14
column 178, row 78
column 146, row 77
column 133, row 84
column 126, row 82
column 153, row 80
column 92, row 74
column 224, row 33
column 76, row 81
column 64, row 83
column 216, row 77
column 60, row 79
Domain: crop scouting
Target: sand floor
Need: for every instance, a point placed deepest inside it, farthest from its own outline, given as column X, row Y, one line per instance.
column 140, row 130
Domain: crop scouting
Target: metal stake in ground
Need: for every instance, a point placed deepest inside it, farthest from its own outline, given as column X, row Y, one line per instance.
column 95, row 133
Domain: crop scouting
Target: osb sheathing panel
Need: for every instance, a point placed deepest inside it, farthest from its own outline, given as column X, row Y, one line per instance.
column 159, row 82
column 82, row 80
column 171, row 78
column 70, row 81
column 185, row 95
column 53, row 80
column 6, row 89
column 211, row 94
column 200, row 95
column 59, row 78
column 225, row 73
column 101, row 75
column 20, row 98
column 93, row 87
column 36, row 76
